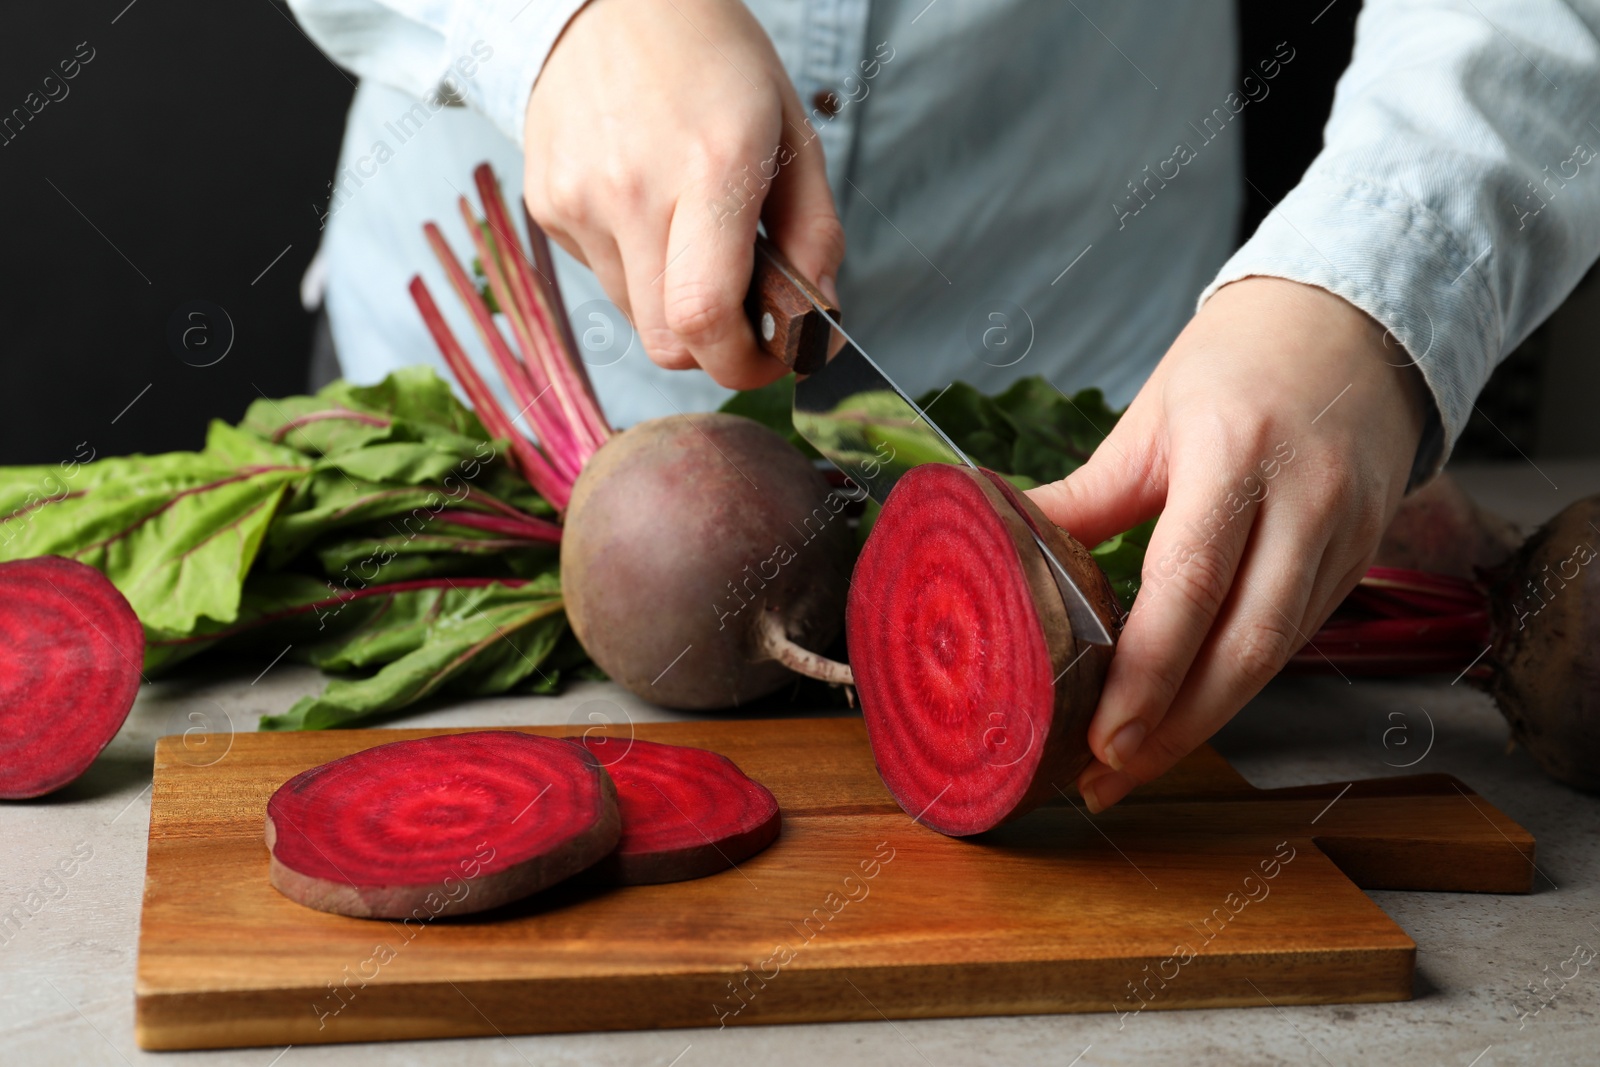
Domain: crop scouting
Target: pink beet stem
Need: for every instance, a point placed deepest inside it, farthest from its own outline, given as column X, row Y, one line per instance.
column 1470, row 629
column 540, row 347
column 553, row 443
column 345, row 597
column 529, row 460
column 525, row 376
column 1403, row 577
column 493, row 503
column 576, row 401
column 318, row 416
column 527, row 528
column 545, row 347
column 1404, row 605
column 1422, row 589
column 544, row 266
column 1426, row 623
column 478, row 497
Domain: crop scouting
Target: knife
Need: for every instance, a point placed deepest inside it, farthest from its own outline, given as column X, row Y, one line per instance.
column 854, row 414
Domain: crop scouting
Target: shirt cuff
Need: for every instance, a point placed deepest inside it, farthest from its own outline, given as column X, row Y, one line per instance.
column 500, row 46
column 1396, row 260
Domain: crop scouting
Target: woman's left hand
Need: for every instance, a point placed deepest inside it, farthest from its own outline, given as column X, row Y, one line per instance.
column 1275, row 440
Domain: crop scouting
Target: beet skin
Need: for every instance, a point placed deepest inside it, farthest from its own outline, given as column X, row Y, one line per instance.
column 703, row 556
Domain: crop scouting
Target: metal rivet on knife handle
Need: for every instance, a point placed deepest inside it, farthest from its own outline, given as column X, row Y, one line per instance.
column 788, row 326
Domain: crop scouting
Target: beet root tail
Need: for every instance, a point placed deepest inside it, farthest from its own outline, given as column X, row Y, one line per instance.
column 772, row 643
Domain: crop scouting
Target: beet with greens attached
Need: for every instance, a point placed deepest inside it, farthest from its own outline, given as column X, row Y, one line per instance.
column 1523, row 626
column 703, row 559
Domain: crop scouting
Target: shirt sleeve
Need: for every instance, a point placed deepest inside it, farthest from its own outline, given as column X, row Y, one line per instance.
column 1457, row 196
column 482, row 53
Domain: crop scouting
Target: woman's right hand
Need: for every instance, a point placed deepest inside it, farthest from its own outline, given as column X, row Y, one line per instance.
column 657, row 135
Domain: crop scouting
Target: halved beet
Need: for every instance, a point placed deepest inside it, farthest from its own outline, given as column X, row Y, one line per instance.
column 70, row 655
column 686, row 812
column 977, row 697
column 440, row 825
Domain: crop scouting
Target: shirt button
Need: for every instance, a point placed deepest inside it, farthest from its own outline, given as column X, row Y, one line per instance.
column 826, row 101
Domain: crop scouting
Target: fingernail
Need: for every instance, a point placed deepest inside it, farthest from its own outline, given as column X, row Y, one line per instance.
column 1105, row 791
column 1091, row 775
column 829, row 289
column 1120, row 749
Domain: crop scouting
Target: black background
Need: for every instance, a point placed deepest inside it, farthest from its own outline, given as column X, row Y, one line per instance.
column 197, row 141
column 1283, row 133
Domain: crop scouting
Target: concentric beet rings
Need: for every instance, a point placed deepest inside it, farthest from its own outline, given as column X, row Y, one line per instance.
column 977, row 697
column 451, row 824
column 70, row 652
column 465, row 822
column 686, row 812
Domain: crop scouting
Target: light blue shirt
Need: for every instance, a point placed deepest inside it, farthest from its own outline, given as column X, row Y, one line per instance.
column 1031, row 187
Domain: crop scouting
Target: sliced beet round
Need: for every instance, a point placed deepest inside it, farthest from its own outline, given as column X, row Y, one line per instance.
column 71, row 648
column 686, row 812
column 977, row 697
column 440, row 825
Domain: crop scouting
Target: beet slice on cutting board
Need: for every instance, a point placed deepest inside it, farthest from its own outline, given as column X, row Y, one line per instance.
column 440, row 825
column 686, row 812
column 70, row 654
column 976, row 695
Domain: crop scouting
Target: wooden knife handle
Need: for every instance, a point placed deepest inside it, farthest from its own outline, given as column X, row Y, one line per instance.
column 787, row 326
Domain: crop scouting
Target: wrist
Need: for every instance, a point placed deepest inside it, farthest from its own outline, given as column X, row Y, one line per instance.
column 504, row 48
column 1346, row 348
column 573, row 12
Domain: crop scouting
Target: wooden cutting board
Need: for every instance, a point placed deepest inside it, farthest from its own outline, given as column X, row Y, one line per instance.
column 1199, row 891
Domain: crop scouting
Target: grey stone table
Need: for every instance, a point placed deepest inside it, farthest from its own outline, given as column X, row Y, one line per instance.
column 66, row 973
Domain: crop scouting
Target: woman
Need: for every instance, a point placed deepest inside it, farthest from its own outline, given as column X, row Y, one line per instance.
column 1025, row 188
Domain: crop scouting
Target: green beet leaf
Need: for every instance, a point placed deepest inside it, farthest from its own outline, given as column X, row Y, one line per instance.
column 465, row 641
column 412, row 405
column 176, row 533
column 1032, row 433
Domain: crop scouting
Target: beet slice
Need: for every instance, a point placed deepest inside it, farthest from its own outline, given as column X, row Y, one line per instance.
column 976, row 695
column 686, row 812
column 70, row 654
column 440, row 825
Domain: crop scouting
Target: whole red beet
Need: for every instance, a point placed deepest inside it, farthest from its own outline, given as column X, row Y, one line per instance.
column 1545, row 660
column 702, row 557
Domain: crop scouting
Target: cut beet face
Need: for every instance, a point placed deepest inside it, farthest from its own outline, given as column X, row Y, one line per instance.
column 977, row 697
column 440, row 825
column 686, row 812
column 70, row 655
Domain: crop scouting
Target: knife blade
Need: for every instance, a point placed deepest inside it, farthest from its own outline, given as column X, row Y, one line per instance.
column 854, row 413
